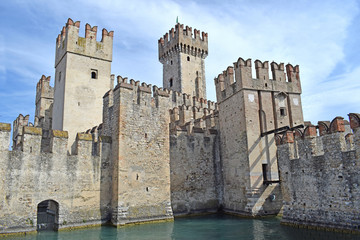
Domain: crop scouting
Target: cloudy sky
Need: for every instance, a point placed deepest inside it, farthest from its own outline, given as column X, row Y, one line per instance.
column 321, row 36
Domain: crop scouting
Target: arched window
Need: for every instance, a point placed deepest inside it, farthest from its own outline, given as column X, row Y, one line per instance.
column 94, row 74
column 188, row 58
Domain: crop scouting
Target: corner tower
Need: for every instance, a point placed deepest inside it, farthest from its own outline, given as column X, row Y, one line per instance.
column 251, row 112
column 183, row 57
column 82, row 77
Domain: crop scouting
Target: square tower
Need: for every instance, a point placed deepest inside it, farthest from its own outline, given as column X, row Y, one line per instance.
column 251, row 112
column 82, row 77
column 183, row 57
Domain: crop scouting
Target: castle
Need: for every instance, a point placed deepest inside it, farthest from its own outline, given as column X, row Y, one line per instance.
column 129, row 152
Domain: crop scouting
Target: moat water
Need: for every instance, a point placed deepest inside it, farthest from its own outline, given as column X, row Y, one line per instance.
column 204, row 227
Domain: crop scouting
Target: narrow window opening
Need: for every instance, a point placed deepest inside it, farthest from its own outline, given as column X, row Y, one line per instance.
column 171, row 82
column 59, row 78
column 265, row 84
column 282, row 111
column 137, row 177
column 188, row 58
column 265, row 170
column 145, row 135
column 94, row 74
column 147, row 189
column 31, row 149
column 171, row 62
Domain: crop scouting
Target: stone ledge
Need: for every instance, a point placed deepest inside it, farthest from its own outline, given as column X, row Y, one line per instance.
column 59, row 134
column 84, row 137
column 5, row 127
column 32, row 130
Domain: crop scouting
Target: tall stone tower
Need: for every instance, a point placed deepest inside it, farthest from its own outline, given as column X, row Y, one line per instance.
column 183, row 57
column 251, row 110
column 82, row 77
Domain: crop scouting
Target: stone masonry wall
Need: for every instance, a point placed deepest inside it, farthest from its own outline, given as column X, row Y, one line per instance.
column 195, row 169
column 30, row 176
column 140, row 157
column 320, row 176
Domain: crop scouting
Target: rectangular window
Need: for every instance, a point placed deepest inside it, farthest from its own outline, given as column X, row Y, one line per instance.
column 265, row 170
column 282, row 112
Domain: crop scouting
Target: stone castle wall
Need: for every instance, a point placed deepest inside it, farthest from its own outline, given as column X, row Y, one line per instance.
column 31, row 176
column 139, row 128
column 195, row 165
column 320, row 176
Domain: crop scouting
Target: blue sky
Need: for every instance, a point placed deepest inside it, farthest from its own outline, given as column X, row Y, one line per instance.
column 321, row 36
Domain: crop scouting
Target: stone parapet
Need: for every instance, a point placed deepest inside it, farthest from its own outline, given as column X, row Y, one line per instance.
column 180, row 39
column 233, row 79
column 69, row 41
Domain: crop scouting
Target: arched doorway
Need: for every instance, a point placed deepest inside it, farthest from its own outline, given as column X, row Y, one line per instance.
column 48, row 216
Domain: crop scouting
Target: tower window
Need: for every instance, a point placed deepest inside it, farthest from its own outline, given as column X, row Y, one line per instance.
column 171, row 82
column 265, row 170
column 188, row 58
column 94, row 74
column 282, row 111
column 171, row 62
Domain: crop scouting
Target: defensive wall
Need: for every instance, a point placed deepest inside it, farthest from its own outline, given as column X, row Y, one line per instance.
column 30, row 176
column 319, row 169
column 153, row 134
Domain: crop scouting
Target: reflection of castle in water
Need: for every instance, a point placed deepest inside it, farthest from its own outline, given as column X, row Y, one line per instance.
column 153, row 153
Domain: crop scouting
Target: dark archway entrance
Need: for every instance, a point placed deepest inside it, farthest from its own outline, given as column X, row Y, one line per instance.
column 48, row 216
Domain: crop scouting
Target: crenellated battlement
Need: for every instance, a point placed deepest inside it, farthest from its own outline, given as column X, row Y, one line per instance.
column 318, row 138
column 70, row 41
column 193, row 119
column 175, row 98
column 43, row 88
column 180, row 39
column 18, row 126
column 29, row 139
column 240, row 77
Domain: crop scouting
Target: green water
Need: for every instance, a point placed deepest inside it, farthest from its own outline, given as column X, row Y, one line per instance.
column 199, row 228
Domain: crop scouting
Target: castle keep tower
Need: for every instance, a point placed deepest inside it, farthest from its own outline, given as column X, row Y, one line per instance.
column 250, row 112
column 183, row 57
column 82, row 77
